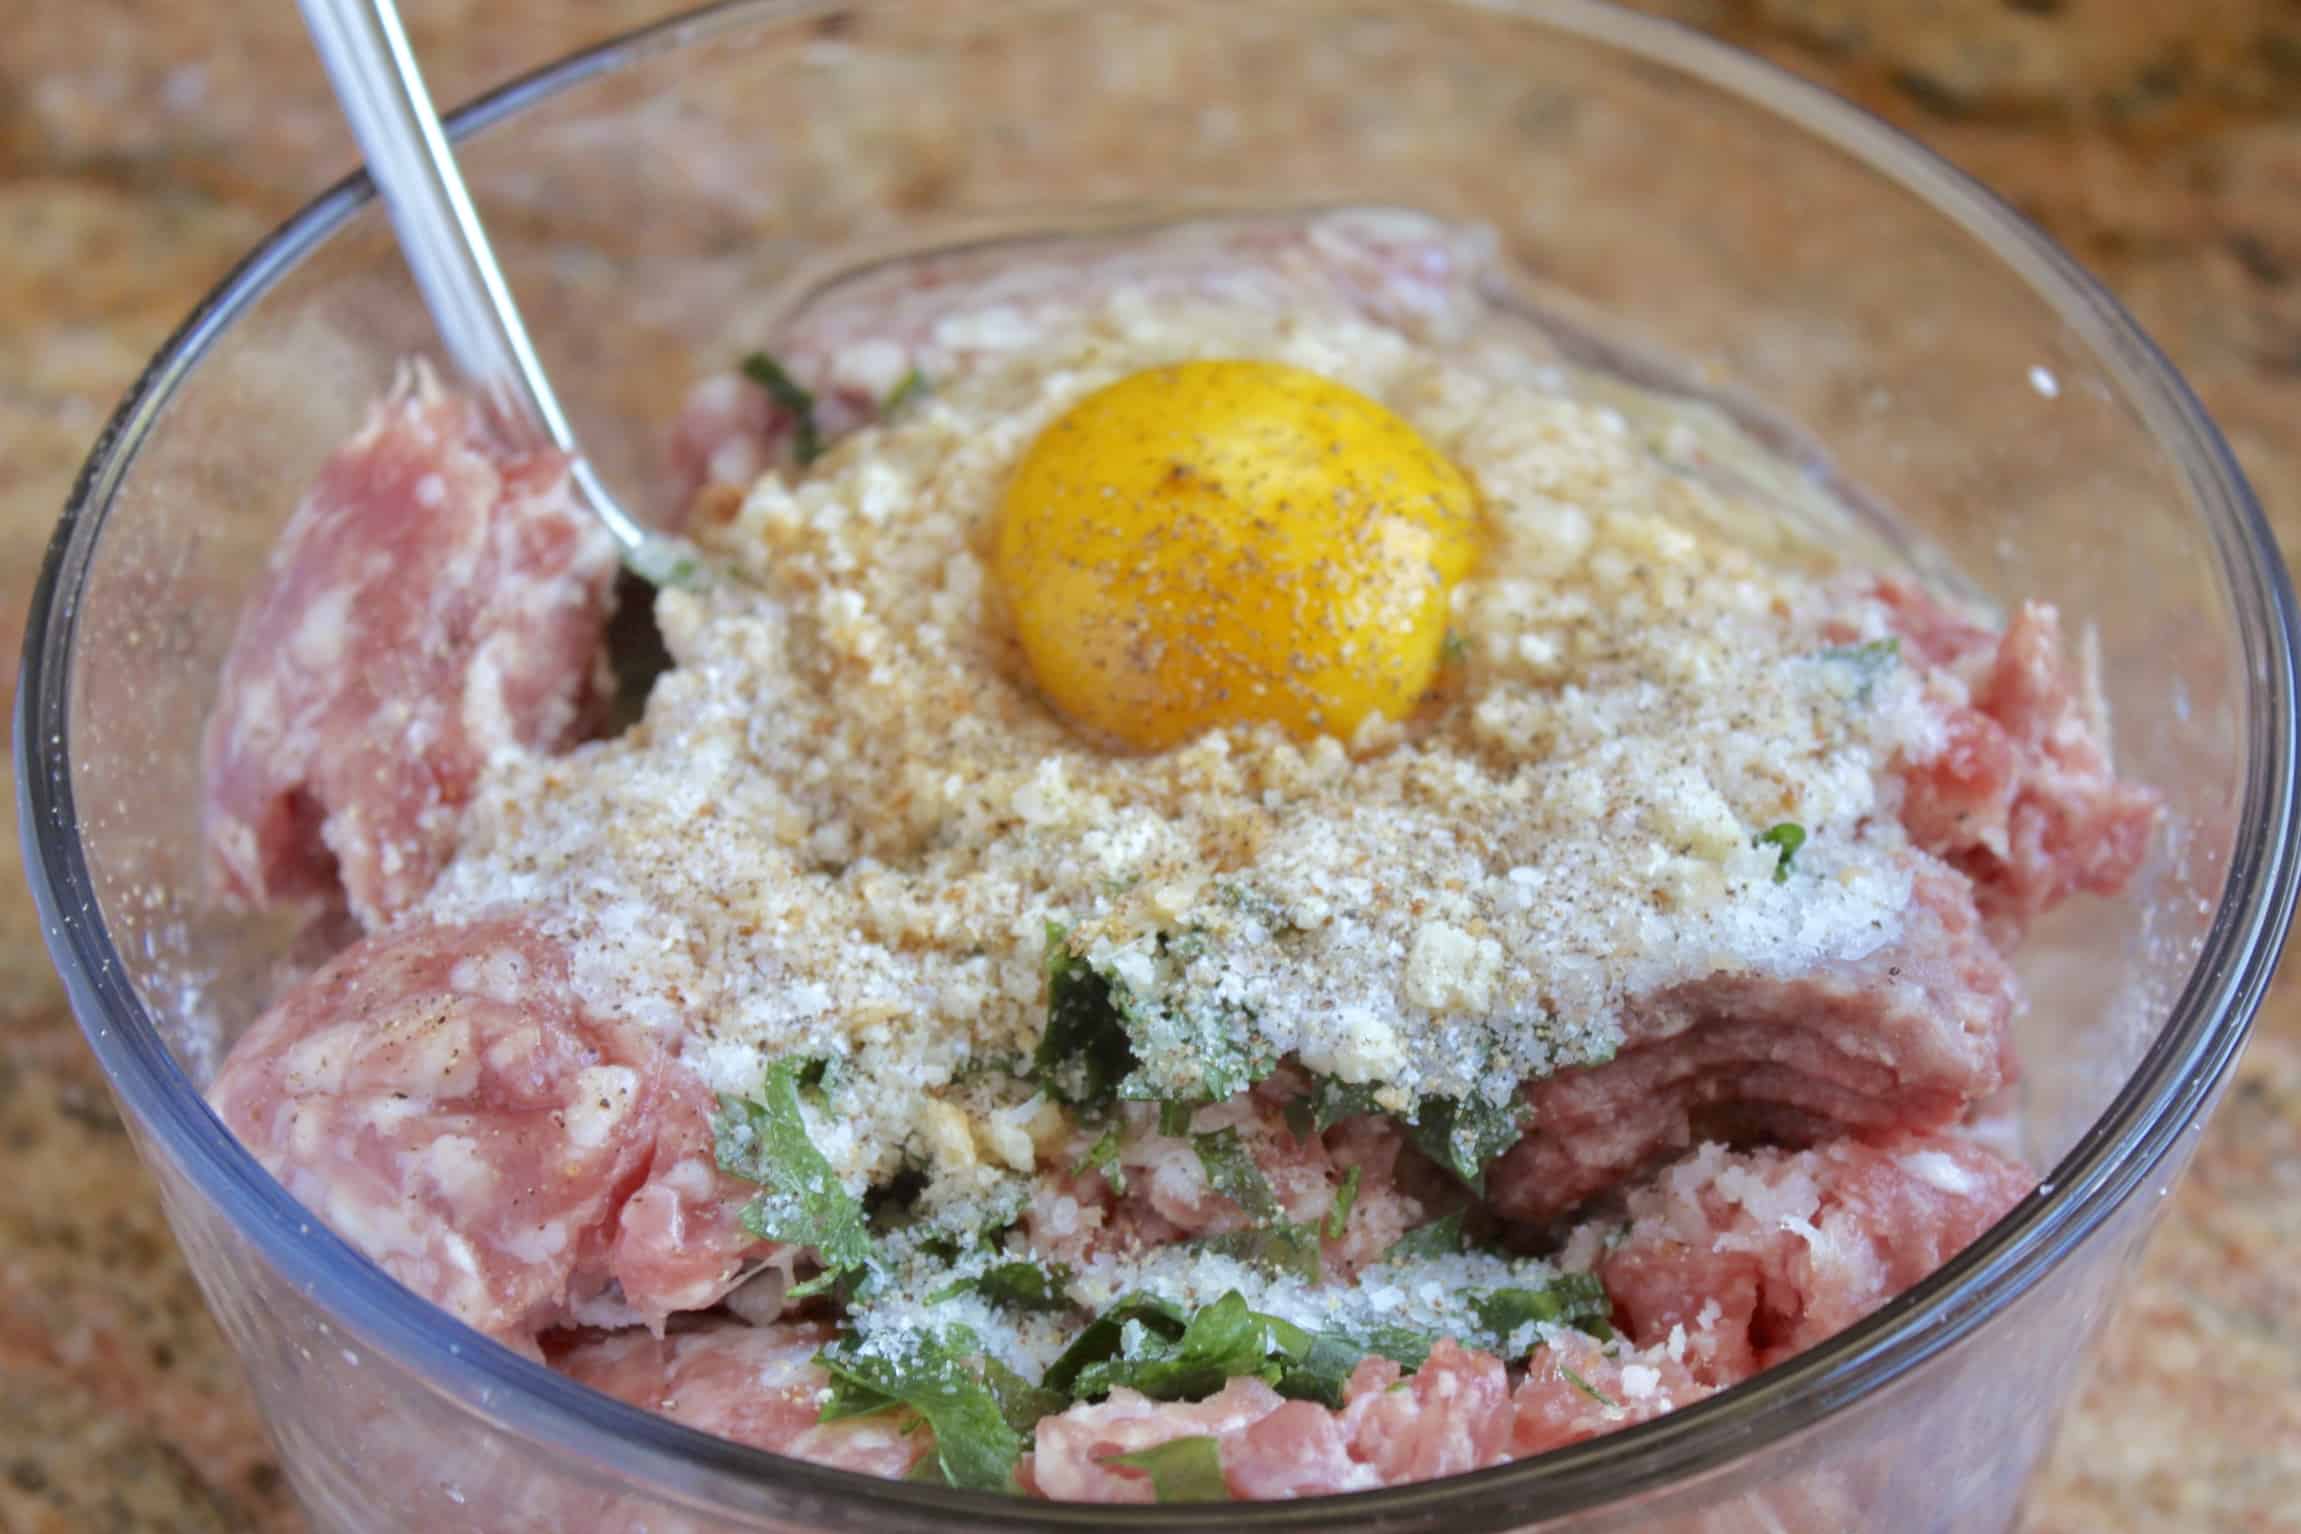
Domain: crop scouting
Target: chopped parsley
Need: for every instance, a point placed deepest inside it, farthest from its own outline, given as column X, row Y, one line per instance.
column 1274, row 1242
column 1588, row 1389
column 765, row 1140
column 1084, row 1053
column 931, row 1373
column 1181, row 1469
column 1231, row 1171
column 1174, row 1118
column 1464, row 1134
column 1460, row 1134
column 1571, row 1299
column 1441, row 1237
column 1152, row 1345
column 912, row 386
column 799, row 403
column 1020, row 1402
column 1785, row 839
column 1018, row 1284
column 1338, row 1214
column 1333, row 1101
column 1103, row 1042
column 1222, row 1342
column 1869, row 661
column 1101, row 1337
column 1103, row 1157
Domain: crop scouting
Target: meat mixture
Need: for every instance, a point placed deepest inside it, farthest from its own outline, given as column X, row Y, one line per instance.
column 1240, row 883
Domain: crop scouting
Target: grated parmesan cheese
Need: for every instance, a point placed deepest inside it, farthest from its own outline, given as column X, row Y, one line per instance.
column 846, row 821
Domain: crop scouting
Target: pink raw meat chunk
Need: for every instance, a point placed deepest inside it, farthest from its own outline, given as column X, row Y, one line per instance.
column 2021, row 798
column 1762, row 1254
column 1575, row 1389
column 1902, row 1040
column 854, row 342
column 441, row 1098
column 1168, row 1198
column 439, row 595
column 756, row 1385
column 1456, row 1413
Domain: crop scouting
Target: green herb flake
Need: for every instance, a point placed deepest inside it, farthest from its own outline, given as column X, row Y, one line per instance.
column 927, row 1372
column 1338, row 1215
column 1572, row 1299
column 1103, row 1157
column 1230, row 1169
column 1281, row 1247
column 1785, row 839
column 1454, row 649
column 765, row 1140
column 1274, row 1243
column 912, row 386
column 1019, row 1284
column 1333, row 1101
column 1021, row 1403
column 784, row 390
column 1460, row 1134
column 1441, row 1237
column 1464, row 1134
column 1181, row 1469
column 1174, row 1118
column 1084, row 1053
column 1588, row 1389
column 1869, row 662
column 1222, row 1342
column 1101, row 1338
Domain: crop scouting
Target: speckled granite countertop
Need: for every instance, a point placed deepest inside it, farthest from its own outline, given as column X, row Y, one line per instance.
column 139, row 155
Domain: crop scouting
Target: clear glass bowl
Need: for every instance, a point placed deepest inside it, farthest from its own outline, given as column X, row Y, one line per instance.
column 652, row 195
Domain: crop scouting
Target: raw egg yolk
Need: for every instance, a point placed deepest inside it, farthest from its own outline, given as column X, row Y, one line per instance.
column 1224, row 543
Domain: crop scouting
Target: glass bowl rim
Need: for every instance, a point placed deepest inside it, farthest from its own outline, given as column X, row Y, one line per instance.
column 2165, row 1097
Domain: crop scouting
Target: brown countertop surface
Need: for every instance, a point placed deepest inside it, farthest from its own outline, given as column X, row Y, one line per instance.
column 140, row 153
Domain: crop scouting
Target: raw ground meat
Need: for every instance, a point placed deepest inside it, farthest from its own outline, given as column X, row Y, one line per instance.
column 1899, row 1041
column 2021, row 798
column 1760, row 1255
column 439, row 595
column 1726, row 1263
column 1458, row 1412
column 854, row 342
column 755, row 1385
column 1168, row 1198
column 439, row 1097
column 2020, row 807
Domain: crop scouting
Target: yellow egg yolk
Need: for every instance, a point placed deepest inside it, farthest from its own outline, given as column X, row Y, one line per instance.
column 1223, row 543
